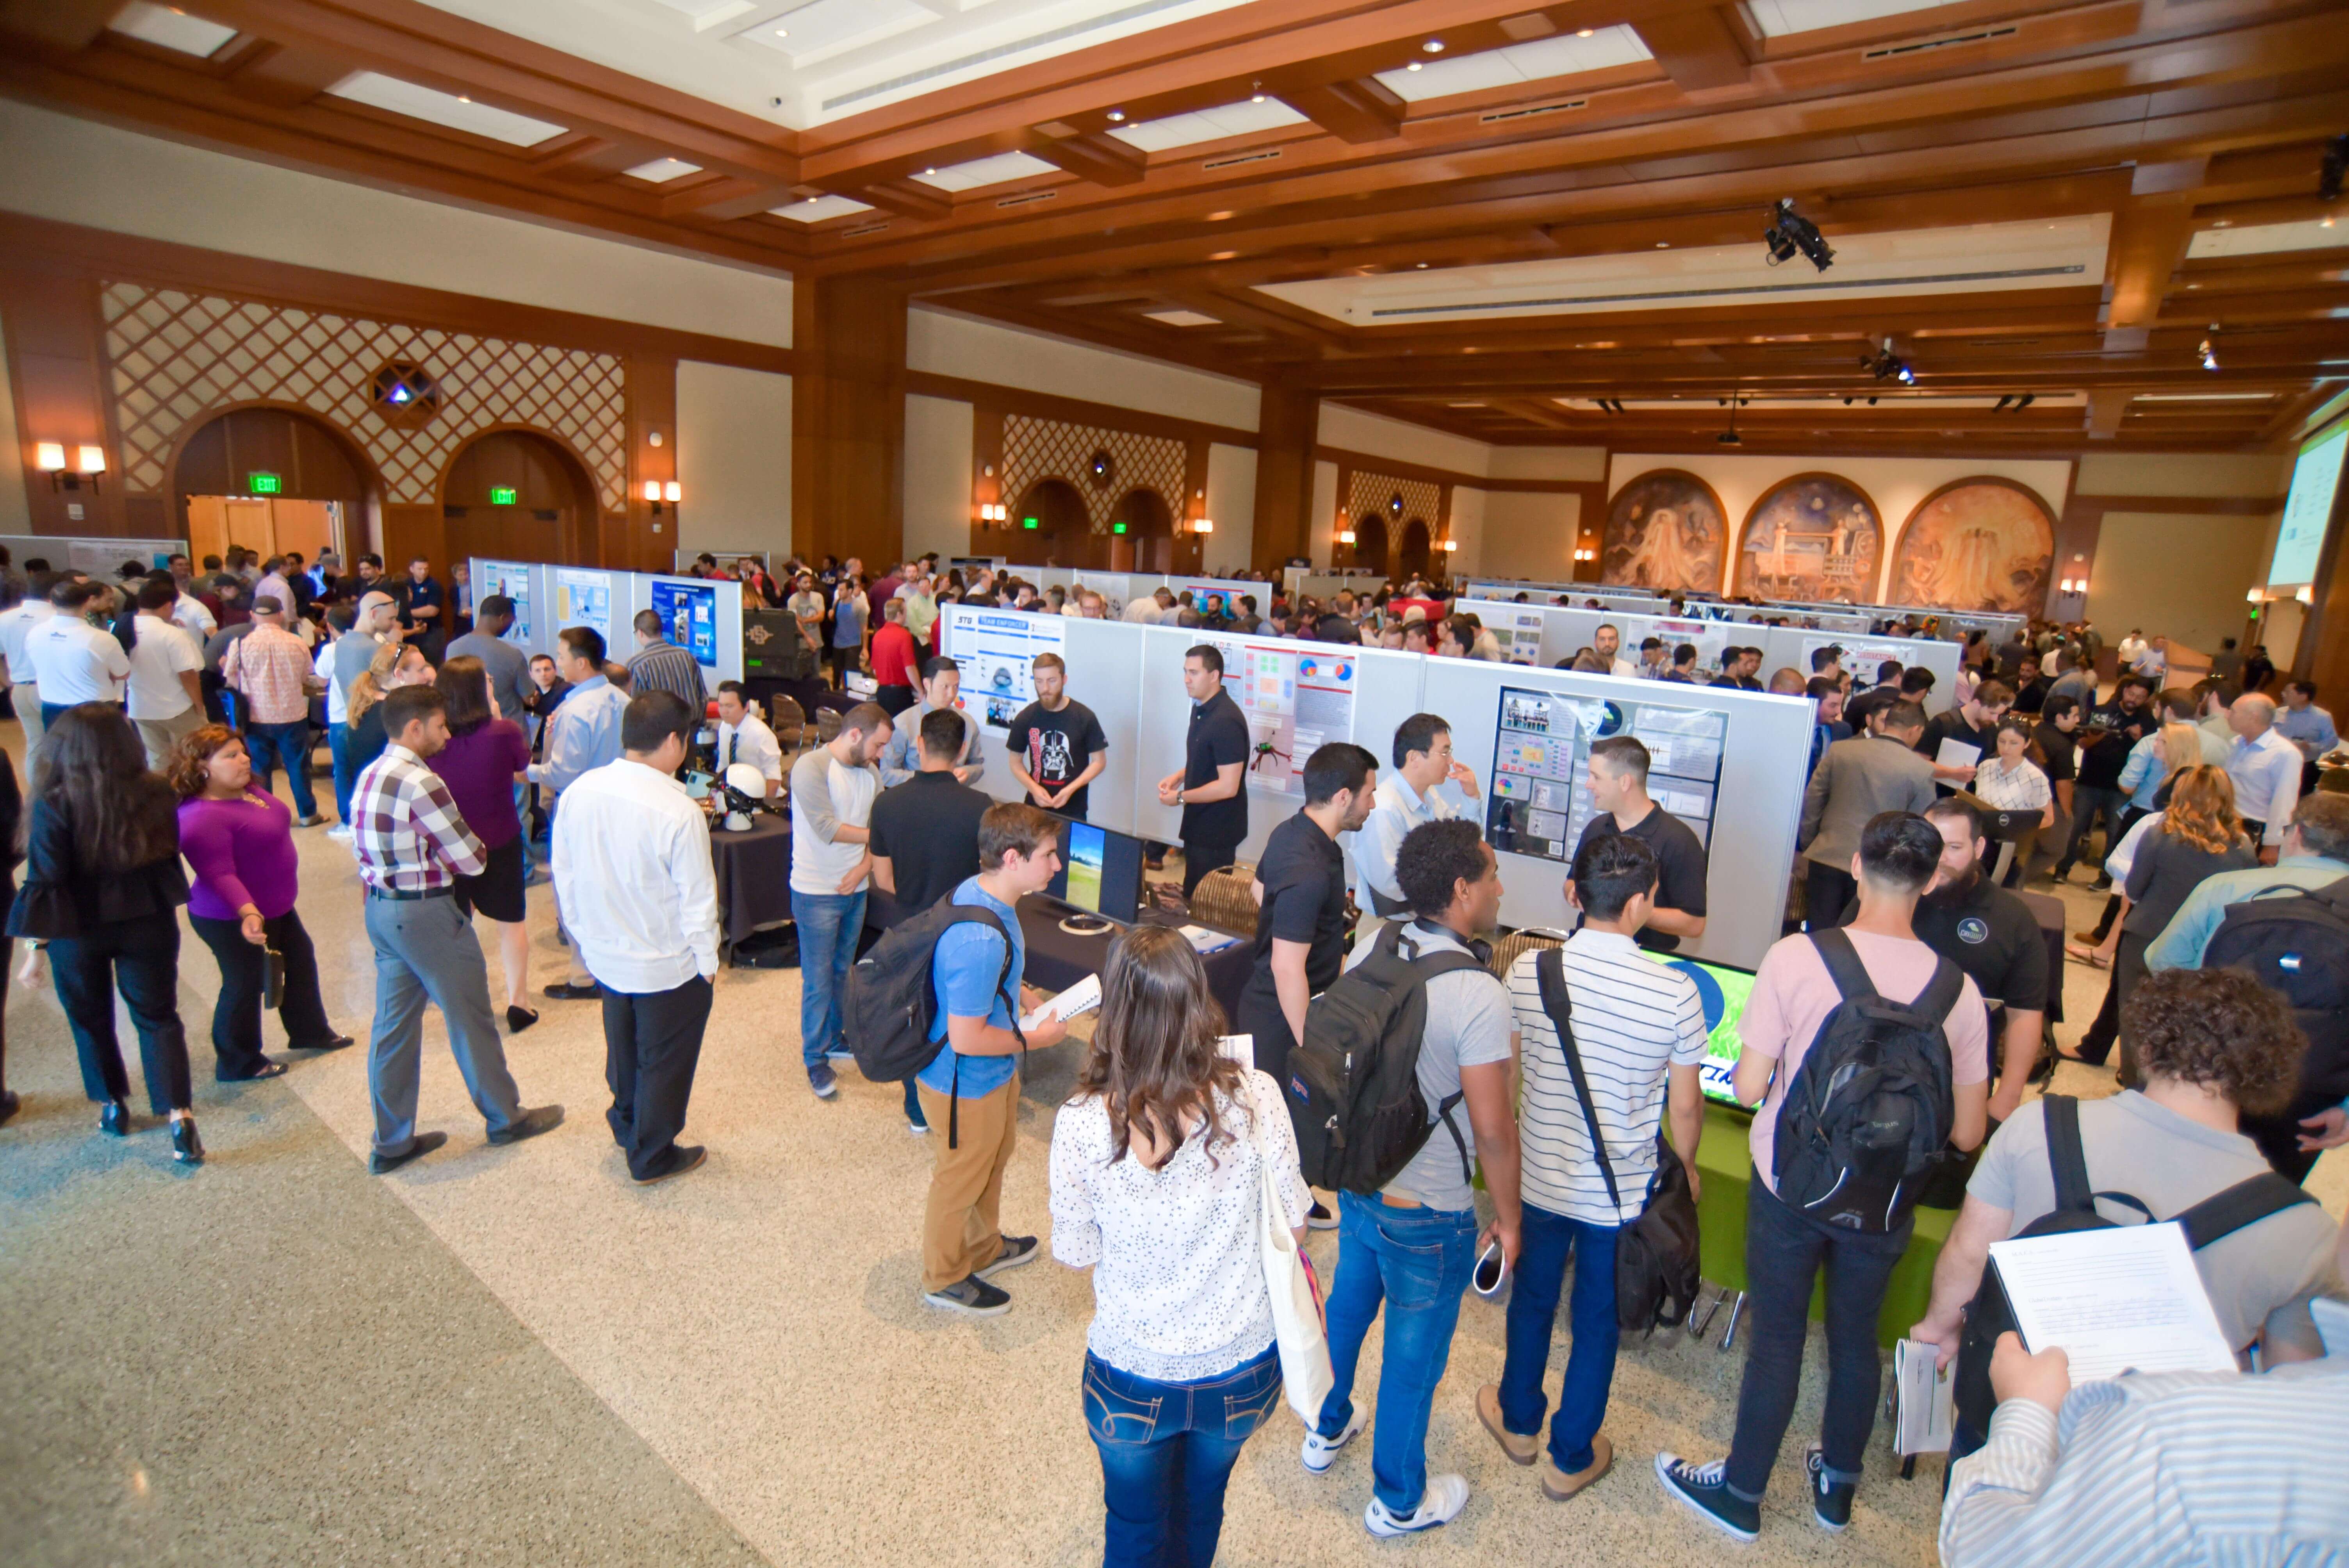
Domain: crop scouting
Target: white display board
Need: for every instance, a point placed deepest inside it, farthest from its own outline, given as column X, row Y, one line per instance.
column 1131, row 676
column 995, row 651
column 1830, row 615
column 525, row 585
column 99, row 558
column 577, row 597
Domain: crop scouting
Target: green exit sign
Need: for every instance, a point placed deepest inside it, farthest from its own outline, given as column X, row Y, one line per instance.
column 1117, row 527
column 501, row 495
column 265, row 484
column 1027, row 522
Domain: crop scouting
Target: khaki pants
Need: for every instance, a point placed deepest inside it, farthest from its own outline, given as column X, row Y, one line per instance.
column 159, row 735
column 962, row 1230
column 26, row 696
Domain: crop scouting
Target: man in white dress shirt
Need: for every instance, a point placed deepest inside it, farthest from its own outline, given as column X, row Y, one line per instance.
column 19, row 613
column 744, row 736
column 2265, row 768
column 1403, row 800
column 633, row 871
column 75, row 661
column 166, row 697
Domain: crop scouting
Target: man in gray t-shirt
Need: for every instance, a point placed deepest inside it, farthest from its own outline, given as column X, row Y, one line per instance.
column 1413, row 1245
column 507, row 665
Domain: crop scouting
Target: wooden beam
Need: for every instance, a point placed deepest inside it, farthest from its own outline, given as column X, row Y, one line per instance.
column 289, row 75
column 722, row 201
column 1355, row 113
column 1700, row 49
column 906, row 199
column 2105, row 412
column 62, row 26
column 2150, row 240
column 1103, row 159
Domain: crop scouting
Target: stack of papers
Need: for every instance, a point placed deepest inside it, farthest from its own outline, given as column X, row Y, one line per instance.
column 1204, row 941
column 1922, row 1406
column 2128, row 1299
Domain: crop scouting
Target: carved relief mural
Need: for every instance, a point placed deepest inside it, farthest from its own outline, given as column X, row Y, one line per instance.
column 1814, row 536
column 1664, row 529
column 1978, row 544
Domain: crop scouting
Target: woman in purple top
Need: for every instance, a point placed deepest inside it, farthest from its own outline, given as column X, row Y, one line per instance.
column 484, row 757
column 239, row 840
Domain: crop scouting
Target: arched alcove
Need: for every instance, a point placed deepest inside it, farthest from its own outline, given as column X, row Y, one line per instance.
column 1412, row 559
column 1370, row 542
column 273, row 478
column 1062, row 531
column 516, row 494
column 1148, row 543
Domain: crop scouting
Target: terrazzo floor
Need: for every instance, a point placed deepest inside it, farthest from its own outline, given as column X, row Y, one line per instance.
column 510, row 1355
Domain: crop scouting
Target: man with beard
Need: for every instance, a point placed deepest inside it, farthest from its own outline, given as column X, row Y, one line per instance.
column 1989, row 933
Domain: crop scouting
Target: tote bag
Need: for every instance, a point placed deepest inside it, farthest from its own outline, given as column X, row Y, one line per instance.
column 1297, row 1325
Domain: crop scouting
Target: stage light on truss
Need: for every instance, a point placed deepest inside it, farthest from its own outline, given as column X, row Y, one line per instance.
column 1789, row 231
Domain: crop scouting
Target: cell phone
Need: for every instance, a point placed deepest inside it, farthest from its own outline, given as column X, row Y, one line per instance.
column 697, row 784
column 1491, row 1270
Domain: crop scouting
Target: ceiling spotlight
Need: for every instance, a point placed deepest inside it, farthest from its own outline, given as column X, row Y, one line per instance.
column 1730, row 437
column 1412, row 66
column 1116, row 117
column 1584, row 32
column 1433, row 47
column 2337, row 166
column 1887, row 365
column 1257, row 89
column 1790, row 232
column 2209, row 356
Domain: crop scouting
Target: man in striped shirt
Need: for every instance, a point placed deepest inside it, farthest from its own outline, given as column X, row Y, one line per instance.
column 660, row 665
column 412, row 844
column 1637, row 1029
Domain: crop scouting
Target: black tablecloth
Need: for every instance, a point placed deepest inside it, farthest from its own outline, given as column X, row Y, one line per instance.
column 1058, row 960
column 2048, row 911
column 754, row 877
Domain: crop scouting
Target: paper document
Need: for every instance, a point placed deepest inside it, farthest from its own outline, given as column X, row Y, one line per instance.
column 1073, row 1003
column 1241, row 1049
column 1921, row 1399
column 1204, row 941
column 1957, row 754
column 2118, row 1300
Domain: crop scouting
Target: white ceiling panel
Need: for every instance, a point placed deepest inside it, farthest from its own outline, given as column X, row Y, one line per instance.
column 980, row 172
column 661, row 170
column 446, row 109
column 1566, row 55
column 827, row 27
column 1776, row 18
column 170, row 29
column 2262, row 239
column 1245, row 117
column 816, row 209
column 1183, row 318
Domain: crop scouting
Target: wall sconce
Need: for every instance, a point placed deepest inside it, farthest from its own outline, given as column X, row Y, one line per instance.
column 1204, row 525
column 89, row 464
column 1449, row 545
column 1345, row 536
column 2073, row 585
column 994, row 512
column 659, row 490
column 2255, row 597
column 2306, row 593
column 672, row 492
column 1584, row 553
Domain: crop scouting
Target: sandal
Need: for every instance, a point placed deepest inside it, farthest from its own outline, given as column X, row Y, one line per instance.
column 2087, row 955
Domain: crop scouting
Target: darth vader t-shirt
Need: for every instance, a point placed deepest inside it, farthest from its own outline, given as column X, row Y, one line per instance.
column 1056, row 747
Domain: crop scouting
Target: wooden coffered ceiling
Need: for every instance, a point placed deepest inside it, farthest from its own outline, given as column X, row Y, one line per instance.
column 1147, row 192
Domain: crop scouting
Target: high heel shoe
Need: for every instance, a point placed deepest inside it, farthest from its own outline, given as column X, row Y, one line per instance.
column 186, row 1146
column 114, row 1119
column 519, row 1018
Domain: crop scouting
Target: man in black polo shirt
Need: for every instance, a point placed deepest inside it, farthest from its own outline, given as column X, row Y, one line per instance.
column 1974, row 724
column 925, row 839
column 1212, row 788
column 2112, row 729
column 1300, row 888
column 1058, row 749
column 1990, row 935
column 1618, row 788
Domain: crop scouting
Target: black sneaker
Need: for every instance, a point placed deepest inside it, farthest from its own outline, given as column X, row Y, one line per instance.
column 1830, row 1500
column 1705, row 1489
column 529, row 1124
column 1319, row 1218
column 973, row 1297
column 1017, row 1250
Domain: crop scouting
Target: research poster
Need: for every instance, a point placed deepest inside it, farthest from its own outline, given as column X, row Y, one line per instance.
column 1861, row 657
column 1295, row 697
column 1541, row 759
column 689, row 617
column 995, row 651
column 510, row 578
column 1519, row 632
column 584, row 599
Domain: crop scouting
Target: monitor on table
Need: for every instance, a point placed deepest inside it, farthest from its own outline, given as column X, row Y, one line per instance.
column 1724, row 990
column 1101, row 872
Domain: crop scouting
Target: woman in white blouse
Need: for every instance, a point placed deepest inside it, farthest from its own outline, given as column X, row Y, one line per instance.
column 2011, row 781
column 1157, row 1163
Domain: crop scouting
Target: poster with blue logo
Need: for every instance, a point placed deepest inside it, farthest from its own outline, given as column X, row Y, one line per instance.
column 997, row 651
column 689, row 617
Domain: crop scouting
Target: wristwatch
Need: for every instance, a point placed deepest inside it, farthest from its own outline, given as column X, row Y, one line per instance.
column 1179, row 793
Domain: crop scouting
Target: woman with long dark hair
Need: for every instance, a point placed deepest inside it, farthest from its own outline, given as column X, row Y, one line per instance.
column 1157, row 1163
column 485, row 755
column 102, row 886
column 238, row 838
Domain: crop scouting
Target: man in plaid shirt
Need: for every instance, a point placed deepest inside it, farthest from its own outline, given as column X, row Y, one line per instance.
column 412, row 845
column 270, row 667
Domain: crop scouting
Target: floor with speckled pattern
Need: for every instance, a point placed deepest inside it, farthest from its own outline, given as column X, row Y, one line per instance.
column 513, row 1354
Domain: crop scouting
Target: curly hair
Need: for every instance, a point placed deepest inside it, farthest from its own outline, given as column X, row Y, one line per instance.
column 187, row 768
column 2219, row 1028
column 2202, row 809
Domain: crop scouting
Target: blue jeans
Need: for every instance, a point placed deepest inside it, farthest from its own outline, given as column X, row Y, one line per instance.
column 338, row 746
column 1417, row 1262
column 1167, row 1451
column 270, row 742
column 1549, row 1240
column 828, row 923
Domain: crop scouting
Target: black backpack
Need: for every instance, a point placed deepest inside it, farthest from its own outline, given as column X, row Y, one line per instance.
column 1656, row 1255
column 1990, row 1314
column 2295, row 940
column 1865, row 1119
column 891, row 1002
column 1354, row 1082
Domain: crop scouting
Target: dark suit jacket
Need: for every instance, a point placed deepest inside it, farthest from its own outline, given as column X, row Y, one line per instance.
column 1855, row 779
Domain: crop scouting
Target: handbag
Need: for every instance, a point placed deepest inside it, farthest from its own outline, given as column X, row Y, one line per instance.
column 1298, row 1329
column 272, row 984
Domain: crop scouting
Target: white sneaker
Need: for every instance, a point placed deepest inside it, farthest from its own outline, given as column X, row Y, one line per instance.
column 1321, row 1452
column 340, row 832
column 1441, row 1503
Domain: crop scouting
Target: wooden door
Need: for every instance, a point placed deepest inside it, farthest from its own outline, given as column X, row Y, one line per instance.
column 307, row 526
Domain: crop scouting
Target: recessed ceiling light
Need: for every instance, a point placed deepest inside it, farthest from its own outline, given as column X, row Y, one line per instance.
column 463, row 98
column 1434, row 45
column 2325, row 222
column 1663, row 244
column 927, row 171
column 1412, row 66
column 1584, row 32
column 781, row 33
column 1116, row 116
column 1218, row 217
column 1420, row 265
column 1221, row 255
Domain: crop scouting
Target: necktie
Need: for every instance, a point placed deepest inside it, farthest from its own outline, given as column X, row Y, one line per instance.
column 733, row 745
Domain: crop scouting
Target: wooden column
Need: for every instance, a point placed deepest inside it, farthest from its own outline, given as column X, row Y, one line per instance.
column 636, row 540
column 1288, row 425
column 56, row 360
column 848, row 419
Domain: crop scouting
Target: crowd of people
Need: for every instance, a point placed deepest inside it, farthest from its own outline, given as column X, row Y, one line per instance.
column 1564, row 1084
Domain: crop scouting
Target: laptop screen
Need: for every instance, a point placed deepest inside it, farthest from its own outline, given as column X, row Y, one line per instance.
column 1101, row 872
column 1724, row 992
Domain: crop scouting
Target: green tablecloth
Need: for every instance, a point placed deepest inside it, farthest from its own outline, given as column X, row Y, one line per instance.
column 1728, row 1166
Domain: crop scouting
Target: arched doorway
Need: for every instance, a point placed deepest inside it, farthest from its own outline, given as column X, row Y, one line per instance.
column 273, row 479
column 1411, row 561
column 1147, row 542
column 1049, row 525
column 1370, row 542
column 516, row 495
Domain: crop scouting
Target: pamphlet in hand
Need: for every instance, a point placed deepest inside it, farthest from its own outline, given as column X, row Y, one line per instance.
column 1957, row 754
column 1240, row 1048
column 1071, row 1004
column 1204, row 941
column 1921, row 1412
column 2127, row 1299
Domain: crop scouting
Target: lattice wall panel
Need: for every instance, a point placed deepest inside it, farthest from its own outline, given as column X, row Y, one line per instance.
column 177, row 356
column 1366, row 495
column 1037, row 449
